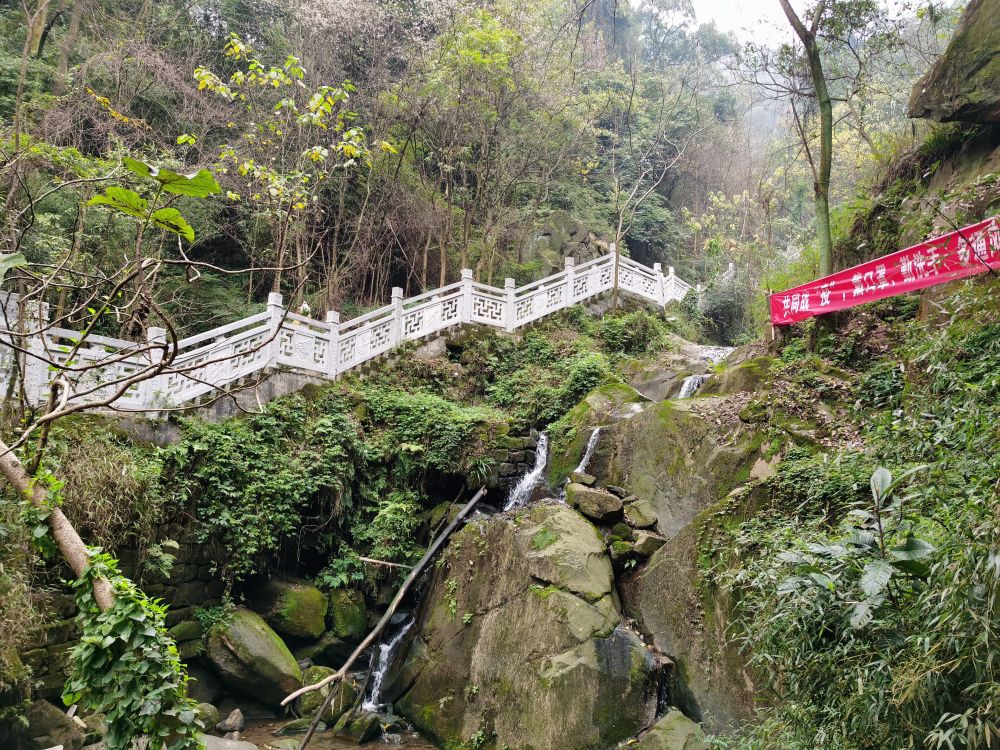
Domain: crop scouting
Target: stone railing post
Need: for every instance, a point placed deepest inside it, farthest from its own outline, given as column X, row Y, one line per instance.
column 155, row 339
column 510, row 318
column 276, row 310
column 466, row 295
column 397, row 315
column 661, row 297
column 669, row 286
column 36, row 365
column 333, row 351
column 569, row 266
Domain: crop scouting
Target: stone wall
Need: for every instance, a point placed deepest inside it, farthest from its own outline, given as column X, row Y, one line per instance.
column 513, row 460
column 191, row 585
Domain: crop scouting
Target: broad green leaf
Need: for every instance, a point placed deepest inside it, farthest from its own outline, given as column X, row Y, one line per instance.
column 196, row 185
column 127, row 201
column 861, row 615
column 881, row 479
column 171, row 220
column 915, row 568
column 912, row 549
column 9, row 261
column 823, row 580
column 875, row 578
column 861, row 539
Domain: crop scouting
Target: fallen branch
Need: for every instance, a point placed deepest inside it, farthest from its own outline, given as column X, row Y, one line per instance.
column 388, row 564
column 376, row 632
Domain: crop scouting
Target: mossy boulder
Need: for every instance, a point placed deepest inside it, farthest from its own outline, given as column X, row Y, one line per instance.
column 594, row 502
column 611, row 403
column 964, row 83
column 348, row 615
column 208, row 714
column 249, row 656
column 674, row 731
column 519, row 635
column 361, row 728
column 679, row 458
column 746, row 377
column 560, row 547
column 346, row 691
column 290, row 606
column 639, row 513
column 48, row 726
column 646, row 544
column 327, row 651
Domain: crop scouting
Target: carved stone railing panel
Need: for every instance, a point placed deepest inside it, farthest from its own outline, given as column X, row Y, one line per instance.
column 215, row 359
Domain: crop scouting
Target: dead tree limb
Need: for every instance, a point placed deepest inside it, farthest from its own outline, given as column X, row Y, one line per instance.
column 376, row 632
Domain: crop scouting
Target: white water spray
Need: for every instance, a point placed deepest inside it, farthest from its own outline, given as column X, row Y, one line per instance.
column 588, row 453
column 691, row 384
column 521, row 494
column 387, row 652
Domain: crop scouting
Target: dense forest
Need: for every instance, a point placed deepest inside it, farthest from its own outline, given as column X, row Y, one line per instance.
column 698, row 530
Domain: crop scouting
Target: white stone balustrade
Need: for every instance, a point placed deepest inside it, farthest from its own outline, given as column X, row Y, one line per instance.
column 278, row 338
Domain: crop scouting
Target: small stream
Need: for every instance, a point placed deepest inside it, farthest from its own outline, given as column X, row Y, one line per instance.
column 522, row 493
column 386, row 657
column 261, row 733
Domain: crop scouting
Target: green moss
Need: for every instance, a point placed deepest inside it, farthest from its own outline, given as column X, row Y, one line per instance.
column 543, row 538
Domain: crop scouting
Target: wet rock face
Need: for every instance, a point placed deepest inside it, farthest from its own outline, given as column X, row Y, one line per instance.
column 520, row 635
column 249, row 656
column 964, row 84
column 290, row 606
column 675, row 460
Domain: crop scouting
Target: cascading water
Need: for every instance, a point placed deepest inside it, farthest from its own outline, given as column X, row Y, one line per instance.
column 387, row 653
column 589, row 451
column 691, row 384
column 521, row 494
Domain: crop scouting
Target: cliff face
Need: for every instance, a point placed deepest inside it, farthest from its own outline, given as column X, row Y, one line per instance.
column 964, row 84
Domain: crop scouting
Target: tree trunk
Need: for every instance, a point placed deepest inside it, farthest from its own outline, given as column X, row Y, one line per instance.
column 821, row 185
column 73, row 550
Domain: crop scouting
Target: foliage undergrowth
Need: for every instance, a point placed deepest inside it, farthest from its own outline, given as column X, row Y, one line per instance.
column 872, row 615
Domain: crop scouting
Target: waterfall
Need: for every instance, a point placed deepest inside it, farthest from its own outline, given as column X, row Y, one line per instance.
column 589, row 452
column 387, row 653
column 521, row 494
column 691, row 384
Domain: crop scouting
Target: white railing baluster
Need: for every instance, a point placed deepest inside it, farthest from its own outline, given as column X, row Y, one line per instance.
column 333, row 352
column 466, row 295
column 509, row 286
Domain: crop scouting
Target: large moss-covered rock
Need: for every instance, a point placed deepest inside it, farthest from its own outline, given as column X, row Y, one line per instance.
column 290, row 606
column 964, row 83
column 679, row 457
column 48, row 727
column 348, row 615
column 745, row 377
column 327, row 651
column 519, row 634
column 345, row 692
column 674, row 731
column 689, row 623
column 252, row 658
column 560, row 547
column 594, row 502
column 611, row 403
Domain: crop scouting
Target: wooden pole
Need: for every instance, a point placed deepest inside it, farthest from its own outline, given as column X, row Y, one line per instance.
column 377, row 630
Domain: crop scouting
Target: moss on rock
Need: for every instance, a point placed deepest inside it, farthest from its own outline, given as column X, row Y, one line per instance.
column 290, row 606
column 250, row 657
column 348, row 615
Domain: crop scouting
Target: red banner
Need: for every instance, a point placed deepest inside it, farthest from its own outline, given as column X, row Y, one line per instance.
column 952, row 256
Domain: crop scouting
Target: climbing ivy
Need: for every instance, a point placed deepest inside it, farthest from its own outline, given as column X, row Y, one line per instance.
column 127, row 667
